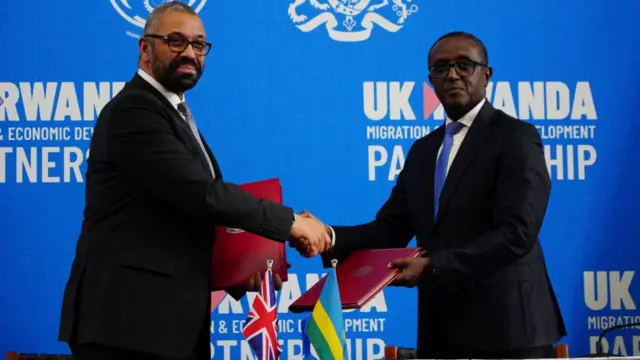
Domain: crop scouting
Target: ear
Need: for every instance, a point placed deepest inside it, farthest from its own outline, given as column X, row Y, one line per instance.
column 488, row 72
column 429, row 72
column 144, row 47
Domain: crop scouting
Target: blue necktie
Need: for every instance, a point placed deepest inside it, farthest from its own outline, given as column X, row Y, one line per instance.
column 441, row 166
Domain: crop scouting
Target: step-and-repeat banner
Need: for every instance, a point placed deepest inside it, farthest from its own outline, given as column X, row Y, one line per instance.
column 329, row 101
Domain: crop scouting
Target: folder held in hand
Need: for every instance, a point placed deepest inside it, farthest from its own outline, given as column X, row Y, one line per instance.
column 361, row 276
column 238, row 255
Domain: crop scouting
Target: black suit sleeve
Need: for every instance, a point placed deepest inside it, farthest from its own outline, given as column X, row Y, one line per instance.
column 142, row 144
column 391, row 227
column 520, row 202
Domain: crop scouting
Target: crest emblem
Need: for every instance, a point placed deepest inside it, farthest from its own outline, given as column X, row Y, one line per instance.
column 362, row 271
column 355, row 18
column 137, row 13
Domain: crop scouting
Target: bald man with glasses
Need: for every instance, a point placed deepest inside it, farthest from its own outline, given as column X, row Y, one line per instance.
column 139, row 286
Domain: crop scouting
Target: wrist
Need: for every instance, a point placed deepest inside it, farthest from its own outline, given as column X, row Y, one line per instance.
column 427, row 268
column 332, row 236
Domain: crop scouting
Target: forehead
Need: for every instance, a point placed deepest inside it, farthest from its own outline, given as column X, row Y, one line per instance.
column 187, row 24
column 455, row 48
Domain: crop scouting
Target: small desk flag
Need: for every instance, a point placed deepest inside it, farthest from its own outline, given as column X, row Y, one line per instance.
column 325, row 328
column 261, row 328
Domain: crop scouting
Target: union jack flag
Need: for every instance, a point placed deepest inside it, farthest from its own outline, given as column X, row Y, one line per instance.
column 261, row 327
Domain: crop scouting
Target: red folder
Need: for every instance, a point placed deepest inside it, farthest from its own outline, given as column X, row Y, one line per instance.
column 361, row 276
column 238, row 255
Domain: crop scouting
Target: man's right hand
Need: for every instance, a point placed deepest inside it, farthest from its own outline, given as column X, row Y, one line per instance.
column 309, row 215
column 309, row 236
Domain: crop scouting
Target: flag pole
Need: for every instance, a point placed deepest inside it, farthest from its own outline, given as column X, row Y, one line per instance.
column 334, row 265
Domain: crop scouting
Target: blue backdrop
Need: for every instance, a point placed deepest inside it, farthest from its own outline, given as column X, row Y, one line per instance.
column 330, row 104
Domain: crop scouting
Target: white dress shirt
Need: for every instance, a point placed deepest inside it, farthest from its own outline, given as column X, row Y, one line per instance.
column 466, row 120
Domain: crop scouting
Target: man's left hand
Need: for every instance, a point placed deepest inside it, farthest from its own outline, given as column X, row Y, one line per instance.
column 412, row 269
column 256, row 281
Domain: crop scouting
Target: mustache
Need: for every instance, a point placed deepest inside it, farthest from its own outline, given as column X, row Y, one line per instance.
column 186, row 61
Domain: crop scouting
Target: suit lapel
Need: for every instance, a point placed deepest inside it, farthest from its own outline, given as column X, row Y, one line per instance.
column 430, row 166
column 139, row 82
column 477, row 134
column 180, row 123
column 214, row 162
column 184, row 127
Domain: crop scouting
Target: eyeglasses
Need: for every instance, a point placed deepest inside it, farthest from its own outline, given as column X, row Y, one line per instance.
column 179, row 43
column 463, row 68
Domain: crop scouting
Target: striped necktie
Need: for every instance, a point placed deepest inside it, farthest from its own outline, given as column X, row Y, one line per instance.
column 184, row 110
column 441, row 166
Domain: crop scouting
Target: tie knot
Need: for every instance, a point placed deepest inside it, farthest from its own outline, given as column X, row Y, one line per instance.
column 453, row 127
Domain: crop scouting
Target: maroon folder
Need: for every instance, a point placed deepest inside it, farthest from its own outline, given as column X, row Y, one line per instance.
column 238, row 255
column 361, row 276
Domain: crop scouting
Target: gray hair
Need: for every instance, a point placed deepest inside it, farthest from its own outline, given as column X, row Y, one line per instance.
column 152, row 21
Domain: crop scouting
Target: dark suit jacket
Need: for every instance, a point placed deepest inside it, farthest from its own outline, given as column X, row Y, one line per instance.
column 489, row 289
column 140, row 277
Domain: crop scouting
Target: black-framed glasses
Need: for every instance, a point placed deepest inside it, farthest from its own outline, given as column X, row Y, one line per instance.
column 179, row 43
column 463, row 68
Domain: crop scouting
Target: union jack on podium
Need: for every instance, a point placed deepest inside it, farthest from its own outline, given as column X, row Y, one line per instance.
column 261, row 327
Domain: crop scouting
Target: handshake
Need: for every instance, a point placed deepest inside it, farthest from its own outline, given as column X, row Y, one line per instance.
column 309, row 235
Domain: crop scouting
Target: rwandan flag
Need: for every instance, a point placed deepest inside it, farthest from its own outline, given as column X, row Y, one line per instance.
column 325, row 328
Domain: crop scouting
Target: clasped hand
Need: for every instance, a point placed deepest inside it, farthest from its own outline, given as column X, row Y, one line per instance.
column 309, row 235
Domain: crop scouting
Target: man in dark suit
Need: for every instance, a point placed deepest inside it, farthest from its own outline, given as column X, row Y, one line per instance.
column 483, row 288
column 140, row 282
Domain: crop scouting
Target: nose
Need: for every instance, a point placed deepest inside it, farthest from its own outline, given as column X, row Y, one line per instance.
column 452, row 73
column 188, row 52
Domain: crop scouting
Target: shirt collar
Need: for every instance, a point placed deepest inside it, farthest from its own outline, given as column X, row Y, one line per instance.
column 173, row 98
column 468, row 118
